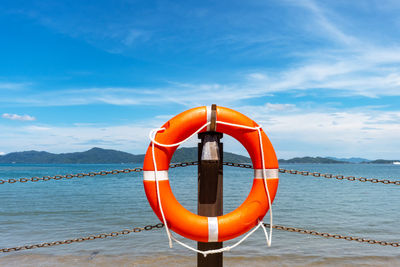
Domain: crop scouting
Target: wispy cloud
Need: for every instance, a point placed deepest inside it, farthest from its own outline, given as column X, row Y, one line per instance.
column 358, row 75
column 324, row 132
column 300, row 48
column 280, row 107
column 294, row 131
column 324, row 26
column 131, row 138
column 348, row 63
column 172, row 93
column 125, row 137
column 13, row 85
column 18, row 117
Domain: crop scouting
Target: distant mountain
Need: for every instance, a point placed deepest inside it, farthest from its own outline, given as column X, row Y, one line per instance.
column 381, row 161
column 94, row 155
column 99, row 155
column 311, row 160
column 351, row 160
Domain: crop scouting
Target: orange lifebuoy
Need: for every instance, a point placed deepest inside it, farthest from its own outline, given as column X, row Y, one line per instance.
column 201, row 228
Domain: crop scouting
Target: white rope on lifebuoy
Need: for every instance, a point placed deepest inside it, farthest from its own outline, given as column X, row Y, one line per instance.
column 268, row 238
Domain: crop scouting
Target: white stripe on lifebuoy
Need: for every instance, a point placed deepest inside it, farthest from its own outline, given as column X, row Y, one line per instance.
column 212, row 229
column 270, row 173
column 150, row 175
column 208, row 111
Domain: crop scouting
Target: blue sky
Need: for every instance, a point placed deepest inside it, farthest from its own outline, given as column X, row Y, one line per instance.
column 322, row 77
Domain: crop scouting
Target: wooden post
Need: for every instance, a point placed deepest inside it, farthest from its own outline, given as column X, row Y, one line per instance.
column 210, row 152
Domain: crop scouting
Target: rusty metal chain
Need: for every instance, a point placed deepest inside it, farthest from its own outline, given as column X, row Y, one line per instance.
column 324, row 175
column 335, row 236
column 192, row 163
column 90, row 174
column 160, row 225
column 341, row 177
column 68, row 176
column 81, row 239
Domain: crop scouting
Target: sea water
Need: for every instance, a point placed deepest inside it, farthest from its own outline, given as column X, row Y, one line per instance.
column 44, row 211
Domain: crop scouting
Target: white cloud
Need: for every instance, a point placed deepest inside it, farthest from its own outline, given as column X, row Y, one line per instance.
column 357, row 66
column 280, row 107
column 130, row 138
column 324, row 26
column 257, row 76
column 363, row 132
column 13, row 85
column 293, row 131
column 348, row 64
column 2, row 153
column 18, row 117
column 133, row 36
column 369, row 72
column 37, row 128
column 173, row 93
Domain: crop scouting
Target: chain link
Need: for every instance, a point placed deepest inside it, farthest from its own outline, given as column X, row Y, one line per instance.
column 192, row 163
column 335, row 236
column 183, row 164
column 81, row 239
column 239, row 165
column 319, row 174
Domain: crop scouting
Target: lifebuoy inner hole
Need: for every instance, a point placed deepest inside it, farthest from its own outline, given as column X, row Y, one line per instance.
column 237, row 182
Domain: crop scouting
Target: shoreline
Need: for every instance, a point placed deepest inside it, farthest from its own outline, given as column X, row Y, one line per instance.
column 173, row 259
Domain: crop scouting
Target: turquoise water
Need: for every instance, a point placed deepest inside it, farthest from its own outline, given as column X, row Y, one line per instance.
column 55, row 210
